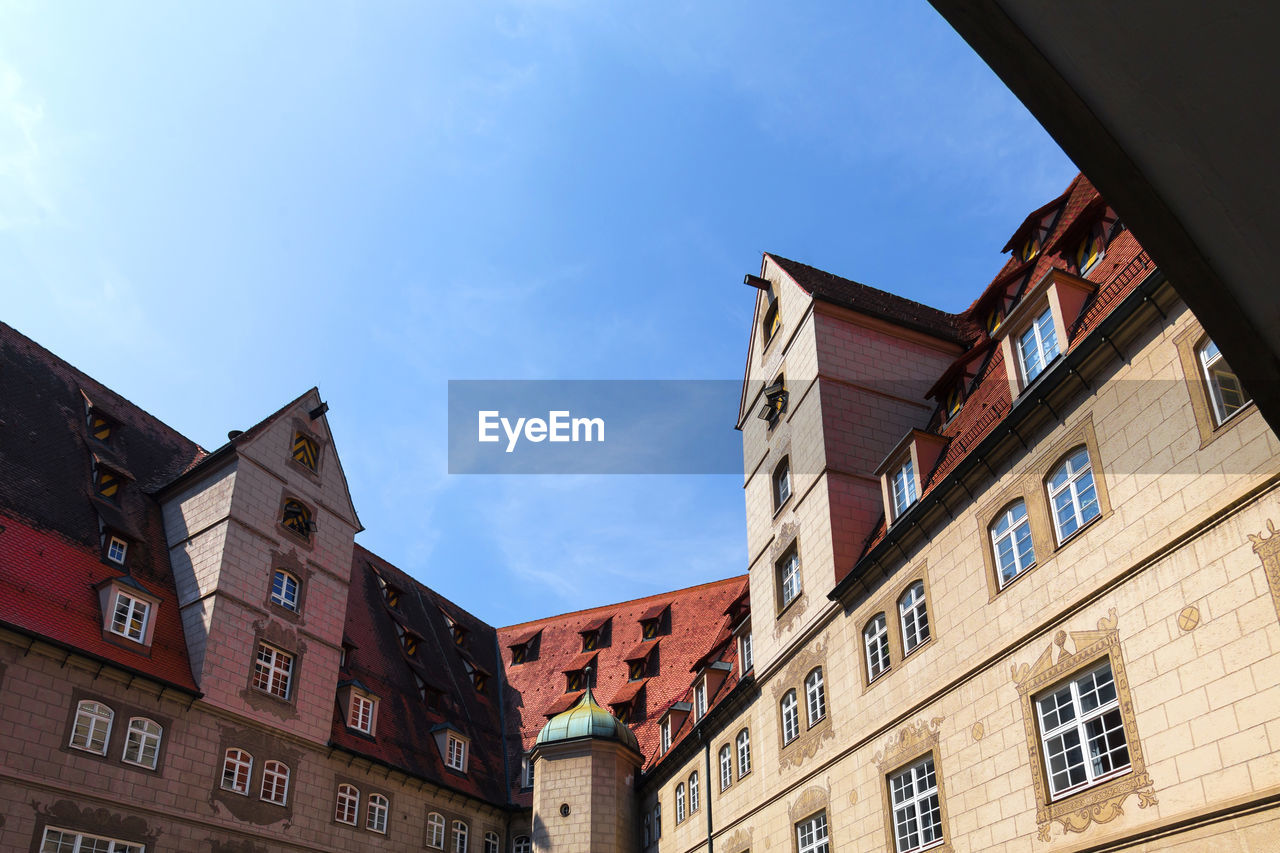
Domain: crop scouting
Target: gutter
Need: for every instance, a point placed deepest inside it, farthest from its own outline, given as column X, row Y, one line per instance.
column 1065, row 369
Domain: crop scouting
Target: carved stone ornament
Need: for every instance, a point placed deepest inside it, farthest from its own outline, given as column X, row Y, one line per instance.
column 96, row 821
column 781, row 542
column 1101, row 803
column 978, row 731
column 1188, row 618
column 813, row 799
column 908, row 742
column 739, row 841
column 806, row 745
column 1267, row 546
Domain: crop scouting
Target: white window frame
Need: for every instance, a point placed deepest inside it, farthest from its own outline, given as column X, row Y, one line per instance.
column 743, row 745
column 914, row 798
column 726, row 767
column 1009, row 534
column 455, row 752
column 811, row 834
column 902, row 488
column 789, row 582
column 58, row 838
column 665, row 734
column 781, row 481
column 523, row 844
column 492, row 844
column 1078, row 481
column 142, row 744
column 680, row 813
column 700, row 699
column 526, row 771
column 361, row 715
column 273, row 671
column 875, row 642
column 129, row 615
column 461, row 833
column 91, row 730
column 377, row 808
column 1081, row 689
column 347, row 805
column 913, row 616
column 1037, row 346
column 746, row 661
column 117, row 550
column 281, row 592
column 695, row 793
column 790, row 710
column 435, row 831
column 275, row 783
column 1214, row 368
column 815, row 697
column 237, row 771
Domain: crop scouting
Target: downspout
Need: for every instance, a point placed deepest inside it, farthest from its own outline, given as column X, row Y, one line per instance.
column 706, row 751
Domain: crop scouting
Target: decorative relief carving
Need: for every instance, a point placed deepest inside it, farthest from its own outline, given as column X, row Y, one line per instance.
column 739, row 841
column 97, row 821
column 801, row 665
column 813, row 799
column 791, row 614
column 781, row 542
column 1189, row 618
column 978, row 731
column 1267, row 546
column 811, row 737
column 909, row 741
column 1105, row 802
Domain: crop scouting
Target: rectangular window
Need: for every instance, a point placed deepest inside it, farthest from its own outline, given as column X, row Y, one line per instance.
column 272, row 671
column 92, row 727
column 284, row 590
column 1037, row 346
column 1225, row 391
column 904, row 488
column 236, row 767
column 142, row 747
column 744, row 652
column 790, row 717
column 811, row 834
column 781, row 483
column 875, row 638
column 1081, row 732
column 917, row 815
column 65, row 841
column 116, row 550
column 275, row 783
column 456, row 753
column 129, row 617
column 666, row 734
column 361, row 717
column 788, row 569
column 700, row 699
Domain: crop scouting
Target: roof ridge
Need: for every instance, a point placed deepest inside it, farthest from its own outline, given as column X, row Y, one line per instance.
column 896, row 296
column 668, row 594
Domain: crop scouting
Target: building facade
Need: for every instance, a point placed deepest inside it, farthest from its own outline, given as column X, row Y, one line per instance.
column 1013, row 583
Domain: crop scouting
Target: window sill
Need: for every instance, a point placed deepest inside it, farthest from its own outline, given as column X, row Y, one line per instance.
column 1075, row 534
column 917, row 647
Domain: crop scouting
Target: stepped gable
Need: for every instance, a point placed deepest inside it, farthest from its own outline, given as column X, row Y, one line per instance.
column 537, row 688
column 405, row 735
column 881, row 304
column 51, row 550
column 987, row 400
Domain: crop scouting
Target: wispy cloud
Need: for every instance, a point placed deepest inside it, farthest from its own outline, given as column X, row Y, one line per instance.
column 25, row 198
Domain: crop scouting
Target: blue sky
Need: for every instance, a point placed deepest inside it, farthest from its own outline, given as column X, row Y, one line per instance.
column 212, row 209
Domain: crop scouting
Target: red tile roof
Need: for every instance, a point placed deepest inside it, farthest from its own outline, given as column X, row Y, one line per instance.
column 697, row 620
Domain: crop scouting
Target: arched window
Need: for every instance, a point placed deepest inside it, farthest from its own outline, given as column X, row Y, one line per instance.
column 459, row 837
column 92, row 727
column 790, row 718
column 694, row 794
column 491, row 843
column 815, row 696
column 522, row 845
column 284, row 589
column 142, row 747
column 876, row 639
column 297, row 518
column 781, row 482
column 1011, row 542
column 1225, row 391
column 435, row 831
column 275, row 783
column 726, row 767
column 348, row 804
column 236, row 767
column 1072, row 494
column 305, row 451
column 770, row 324
column 679, row 802
column 744, row 753
column 913, row 616
column 376, row 813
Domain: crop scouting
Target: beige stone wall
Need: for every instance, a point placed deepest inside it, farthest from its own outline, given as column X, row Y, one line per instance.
column 1167, row 581
column 180, row 805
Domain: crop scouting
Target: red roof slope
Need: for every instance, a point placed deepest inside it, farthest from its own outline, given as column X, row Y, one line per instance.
column 697, row 619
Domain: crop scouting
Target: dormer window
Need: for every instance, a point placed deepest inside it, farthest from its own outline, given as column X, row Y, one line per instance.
column 955, row 400
column 519, row 653
column 1030, row 248
column 305, row 451
column 117, row 548
column 453, row 746
column 128, row 612
column 408, row 640
column 1036, row 330
column 105, row 481
column 479, row 678
column 362, row 710
column 525, row 648
column 655, row 621
column 665, row 734
column 903, row 481
column 1037, row 346
column 994, row 318
column 296, row 517
column 636, row 670
column 390, row 594
column 456, row 631
column 700, row 699
column 100, row 426
column 781, row 483
column 649, row 628
column 1090, row 251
